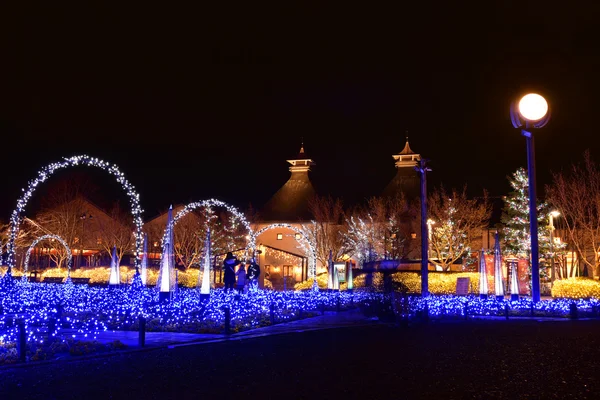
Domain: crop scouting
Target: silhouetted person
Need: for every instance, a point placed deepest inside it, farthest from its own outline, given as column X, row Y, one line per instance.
column 229, row 274
column 241, row 278
column 252, row 275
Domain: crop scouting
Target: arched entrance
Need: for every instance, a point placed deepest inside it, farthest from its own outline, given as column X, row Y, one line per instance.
column 311, row 247
column 47, row 237
column 75, row 161
column 208, row 204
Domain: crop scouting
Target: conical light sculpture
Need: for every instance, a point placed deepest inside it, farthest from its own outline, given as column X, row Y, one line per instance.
column 115, row 274
column 166, row 277
column 205, row 288
column 483, row 282
column 498, row 285
column 514, row 282
column 145, row 261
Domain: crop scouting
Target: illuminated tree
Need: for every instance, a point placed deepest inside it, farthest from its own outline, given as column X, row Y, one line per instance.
column 188, row 246
column 576, row 194
column 324, row 231
column 458, row 220
column 116, row 231
column 381, row 230
column 515, row 218
column 61, row 217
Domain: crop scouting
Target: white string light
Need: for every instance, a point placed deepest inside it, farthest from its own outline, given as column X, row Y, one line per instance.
column 210, row 203
column 47, row 171
column 47, row 237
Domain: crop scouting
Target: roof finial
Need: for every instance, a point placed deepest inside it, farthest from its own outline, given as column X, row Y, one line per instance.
column 301, row 144
column 406, row 136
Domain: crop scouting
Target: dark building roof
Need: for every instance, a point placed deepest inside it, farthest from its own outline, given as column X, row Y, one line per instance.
column 290, row 202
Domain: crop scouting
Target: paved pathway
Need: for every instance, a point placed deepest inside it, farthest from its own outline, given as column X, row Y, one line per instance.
column 172, row 339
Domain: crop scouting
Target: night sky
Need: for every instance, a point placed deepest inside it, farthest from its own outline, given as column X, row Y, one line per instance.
column 195, row 102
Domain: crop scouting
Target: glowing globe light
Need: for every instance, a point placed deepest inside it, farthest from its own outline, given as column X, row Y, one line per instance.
column 533, row 107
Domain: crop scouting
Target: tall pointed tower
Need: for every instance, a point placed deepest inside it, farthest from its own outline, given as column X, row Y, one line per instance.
column 290, row 202
column 406, row 180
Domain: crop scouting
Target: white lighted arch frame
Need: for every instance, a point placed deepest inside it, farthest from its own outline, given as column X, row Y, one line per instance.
column 47, row 171
column 210, row 203
column 313, row 258
column 47, row 237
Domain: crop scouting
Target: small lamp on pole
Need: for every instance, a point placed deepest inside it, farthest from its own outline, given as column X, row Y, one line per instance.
column 531, row 112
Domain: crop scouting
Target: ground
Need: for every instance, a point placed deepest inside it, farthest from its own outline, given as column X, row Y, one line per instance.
column 450, row 360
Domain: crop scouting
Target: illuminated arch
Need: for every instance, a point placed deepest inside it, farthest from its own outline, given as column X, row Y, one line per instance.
column 47, row 171
column 311, row 246
column 209, row 203
column 45, row 237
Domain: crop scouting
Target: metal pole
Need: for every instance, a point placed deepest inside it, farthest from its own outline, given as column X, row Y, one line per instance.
column 533, row 223
column 422, row 169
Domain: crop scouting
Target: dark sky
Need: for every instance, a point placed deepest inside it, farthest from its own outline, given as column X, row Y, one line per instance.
column 195, row 102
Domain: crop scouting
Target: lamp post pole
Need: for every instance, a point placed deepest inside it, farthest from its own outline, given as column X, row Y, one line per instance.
column 422, row 169
column 533, row 223
column 531, row 111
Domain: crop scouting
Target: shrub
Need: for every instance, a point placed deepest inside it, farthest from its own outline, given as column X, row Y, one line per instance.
column 576, row 288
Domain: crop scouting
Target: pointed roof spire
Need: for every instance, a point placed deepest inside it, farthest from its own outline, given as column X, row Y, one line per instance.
column 407, row 149
column 407, row 157
column 302, row 162
column 301, row 153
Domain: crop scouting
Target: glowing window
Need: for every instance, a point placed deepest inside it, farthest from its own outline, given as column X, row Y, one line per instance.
column 413, row 235
column 279, row 236
column 298, row 236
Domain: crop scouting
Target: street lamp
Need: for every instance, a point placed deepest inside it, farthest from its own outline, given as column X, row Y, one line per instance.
column 531, row 112
column 422, row 169
column 553, row 214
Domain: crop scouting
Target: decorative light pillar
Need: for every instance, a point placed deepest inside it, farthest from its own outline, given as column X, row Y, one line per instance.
column 429, row 233
column 483, row 283
column 167, row 262
column 530, row 113
column 553, row 214
column 205, row 288
column 350, row 278
column 514, row 281
column 498, row 284
column 115, row 275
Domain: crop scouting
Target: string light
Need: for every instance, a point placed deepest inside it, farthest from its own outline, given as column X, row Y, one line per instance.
column 46, row 237
column 47, row 172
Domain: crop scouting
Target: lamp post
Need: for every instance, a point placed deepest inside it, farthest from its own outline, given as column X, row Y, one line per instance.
column 422, row 169
column 553, row 214
column 530, row 113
